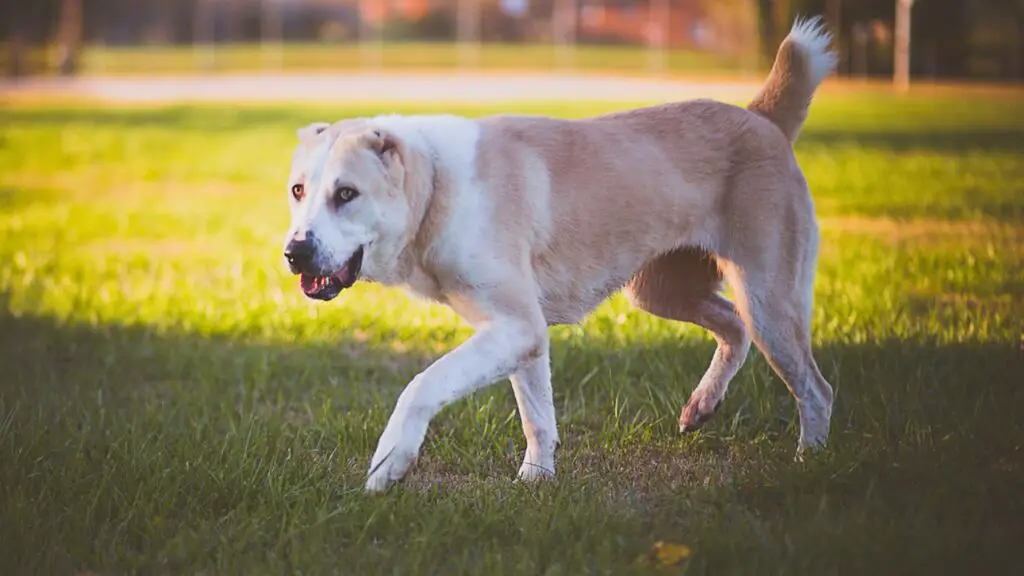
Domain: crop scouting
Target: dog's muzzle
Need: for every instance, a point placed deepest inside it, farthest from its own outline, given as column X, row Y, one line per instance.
column 316, row 282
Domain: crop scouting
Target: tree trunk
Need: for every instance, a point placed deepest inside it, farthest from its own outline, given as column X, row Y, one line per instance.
column 766, row 29
column 901, row 48
column 17, row 65
column 834, row 18
column 70, row 36
column 1017, row 56
column 782, row 16
column 467, row 33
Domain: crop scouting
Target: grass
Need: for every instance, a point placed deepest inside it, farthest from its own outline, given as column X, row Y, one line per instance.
column 405, row 56
column 170, row 403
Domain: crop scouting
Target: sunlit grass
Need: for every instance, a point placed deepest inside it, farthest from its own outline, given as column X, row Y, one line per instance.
column 171, row 403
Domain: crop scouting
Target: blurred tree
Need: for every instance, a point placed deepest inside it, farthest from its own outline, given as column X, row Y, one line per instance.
column 69, row 36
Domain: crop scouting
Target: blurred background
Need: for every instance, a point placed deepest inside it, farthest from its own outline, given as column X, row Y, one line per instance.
column 877, row 39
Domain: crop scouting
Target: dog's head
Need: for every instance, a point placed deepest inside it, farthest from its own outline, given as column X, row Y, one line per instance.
column 349, row 211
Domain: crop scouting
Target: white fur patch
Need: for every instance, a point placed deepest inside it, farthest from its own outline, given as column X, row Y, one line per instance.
column 491, row 353
column 451, row 139
column 310, row 172
column 453, row 143
column 814, row 39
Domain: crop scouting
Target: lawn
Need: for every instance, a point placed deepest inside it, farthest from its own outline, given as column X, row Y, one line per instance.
column 405, row 56
column 170, row 403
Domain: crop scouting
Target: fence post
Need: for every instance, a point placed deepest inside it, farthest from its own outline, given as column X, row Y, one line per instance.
column 564, row 31
column 901, row 54
column 467, row 32
column 271, row 35
column 204, row 35
column 374, row 56
column 659, row 16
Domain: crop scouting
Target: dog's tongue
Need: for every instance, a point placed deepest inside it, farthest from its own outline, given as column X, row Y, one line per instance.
column 342, row 275
column 311, row 284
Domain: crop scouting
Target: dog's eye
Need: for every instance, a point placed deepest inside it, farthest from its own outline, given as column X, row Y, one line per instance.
column 345, row 193
column 297, row 191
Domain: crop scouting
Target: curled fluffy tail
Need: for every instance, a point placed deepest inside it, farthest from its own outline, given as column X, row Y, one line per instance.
column 803, row 61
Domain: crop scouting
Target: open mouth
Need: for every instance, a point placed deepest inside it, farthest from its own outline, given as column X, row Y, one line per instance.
column 327, row 287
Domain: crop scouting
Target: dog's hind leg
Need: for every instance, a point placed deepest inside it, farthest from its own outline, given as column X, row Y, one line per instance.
column 773, row 290
column 717, row 315
column 682, row 285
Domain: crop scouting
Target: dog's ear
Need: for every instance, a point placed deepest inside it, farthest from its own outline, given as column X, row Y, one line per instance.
column 311, row 130
column 385, row 144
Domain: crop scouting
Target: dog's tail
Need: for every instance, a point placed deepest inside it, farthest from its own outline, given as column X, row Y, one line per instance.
column 802, row 63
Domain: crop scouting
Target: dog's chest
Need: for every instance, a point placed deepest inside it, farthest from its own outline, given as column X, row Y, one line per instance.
column 424, row 286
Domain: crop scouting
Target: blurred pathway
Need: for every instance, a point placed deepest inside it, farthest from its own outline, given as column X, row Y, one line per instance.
column 349, row 87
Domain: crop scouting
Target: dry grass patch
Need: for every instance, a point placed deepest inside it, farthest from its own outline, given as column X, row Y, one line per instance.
column 925, row 231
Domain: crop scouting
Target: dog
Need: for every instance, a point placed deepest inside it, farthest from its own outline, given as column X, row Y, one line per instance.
column 523, row 222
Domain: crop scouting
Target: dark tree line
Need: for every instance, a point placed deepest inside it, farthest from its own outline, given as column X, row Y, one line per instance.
column 949, row 39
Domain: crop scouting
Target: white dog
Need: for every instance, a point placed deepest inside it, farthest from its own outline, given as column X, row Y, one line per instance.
column 521, row 222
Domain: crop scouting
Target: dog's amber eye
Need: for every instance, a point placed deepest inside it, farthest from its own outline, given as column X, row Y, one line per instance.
column 297, row 191
column 346, row 193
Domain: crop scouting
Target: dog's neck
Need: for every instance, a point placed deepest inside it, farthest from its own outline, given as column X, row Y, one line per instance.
column 422, row 181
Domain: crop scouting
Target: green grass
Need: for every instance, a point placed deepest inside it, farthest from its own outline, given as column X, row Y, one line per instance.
column 406, row 56
column 171, row 404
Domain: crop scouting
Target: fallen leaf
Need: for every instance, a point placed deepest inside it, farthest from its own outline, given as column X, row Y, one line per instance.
column 669, row 554
column 665, row 554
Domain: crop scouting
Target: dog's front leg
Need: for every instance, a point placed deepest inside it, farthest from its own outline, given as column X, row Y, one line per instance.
column 496, row 350
column 531, row 384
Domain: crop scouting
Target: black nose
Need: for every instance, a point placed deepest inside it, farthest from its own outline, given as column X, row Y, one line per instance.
column 299, row 254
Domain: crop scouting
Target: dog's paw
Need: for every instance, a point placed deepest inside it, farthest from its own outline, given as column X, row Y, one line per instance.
column 391, row 468
column 807, row 453
column 396, row 453
column 531, row 472
column 696, row 413
column 814, row 429
column 807, row 447
column 539, row 460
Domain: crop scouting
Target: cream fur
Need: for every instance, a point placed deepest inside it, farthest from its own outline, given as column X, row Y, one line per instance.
column 520, row 222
